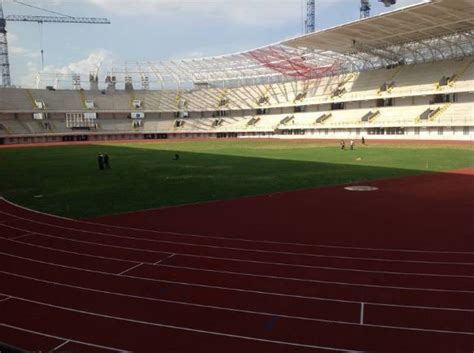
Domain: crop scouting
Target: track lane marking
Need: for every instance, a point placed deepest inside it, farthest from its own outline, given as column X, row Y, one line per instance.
column 78, row 253
column 298, row 279
column 162, row 260
column 219, row 238
column 318, row 281
column 247, row 250
column 59, row 346
column 235, row 289
column 168, row 301
column 225, row 238
column 130, row 269
column 62, row 338
column 5, row 299
column 342, row 269
column 21, row 236
column 252, row 312
column 186, row 329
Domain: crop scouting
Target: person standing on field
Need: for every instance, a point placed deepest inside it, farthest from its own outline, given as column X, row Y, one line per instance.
column 343, row 145
column 352, row 145
column 106, row 161
column 101, row 161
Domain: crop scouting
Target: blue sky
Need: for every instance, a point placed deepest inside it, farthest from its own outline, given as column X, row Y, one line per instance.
column 160, row 30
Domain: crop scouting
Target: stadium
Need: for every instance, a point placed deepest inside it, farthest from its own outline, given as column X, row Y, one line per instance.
column 311, row 195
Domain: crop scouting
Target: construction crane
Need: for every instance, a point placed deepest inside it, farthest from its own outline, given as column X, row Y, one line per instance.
column 59, row 18
column 310, row 23
column 365, row 6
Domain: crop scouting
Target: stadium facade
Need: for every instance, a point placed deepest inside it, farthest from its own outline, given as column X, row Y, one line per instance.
column 405, row 74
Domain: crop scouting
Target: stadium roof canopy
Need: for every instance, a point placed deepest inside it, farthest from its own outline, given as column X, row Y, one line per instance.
column 428, row 31
column 432, row 30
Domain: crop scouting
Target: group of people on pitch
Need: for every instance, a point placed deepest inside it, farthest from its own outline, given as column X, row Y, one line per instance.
column 352, row 144
column 104, row 161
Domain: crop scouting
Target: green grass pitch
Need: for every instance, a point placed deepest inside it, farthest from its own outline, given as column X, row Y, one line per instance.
column 65, row 180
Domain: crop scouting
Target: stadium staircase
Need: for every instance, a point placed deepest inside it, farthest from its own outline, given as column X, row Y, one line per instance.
column 4, row 128
column 370, row 116
column 341, row 89
column 323, row 118
column 461, row 72
column 132, row 98
column 428, row 114
column 287, row 119
column 222, row 101
column 217, row 123
column 31, row 98
column 390, row 79
column 83, row 98
column 450, row 81
column 437, row 113
column 300, row 97
column 253, row 121
column 179, row 95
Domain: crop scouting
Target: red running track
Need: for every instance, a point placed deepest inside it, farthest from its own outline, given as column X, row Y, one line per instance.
column 388, row 271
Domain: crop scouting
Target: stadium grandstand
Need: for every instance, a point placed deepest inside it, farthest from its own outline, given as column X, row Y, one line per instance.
column 313, row 195
column 405, row 74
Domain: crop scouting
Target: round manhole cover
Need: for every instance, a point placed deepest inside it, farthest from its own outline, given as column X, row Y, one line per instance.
column 361, row 188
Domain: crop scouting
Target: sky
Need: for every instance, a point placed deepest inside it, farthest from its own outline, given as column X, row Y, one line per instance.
column 152, row 30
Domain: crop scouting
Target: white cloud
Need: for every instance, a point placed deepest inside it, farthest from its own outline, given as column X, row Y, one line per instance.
column 19, row 51
column 84, row 65
column 81, row 66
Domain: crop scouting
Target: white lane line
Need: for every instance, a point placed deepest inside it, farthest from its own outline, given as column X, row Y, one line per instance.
column 62, row 338
column 20, row 236
column 221, row 308
column 342, row 269
column 248, row 250
column 168, row 301
column 183, row 328
column 61, row 345
column 301, row 279
column 186, row 329
column 162, row 260
column 318, row 281
column 229, row 238
column 77, row 253
column 5, row 299
column 130, row 269
column 230, row 289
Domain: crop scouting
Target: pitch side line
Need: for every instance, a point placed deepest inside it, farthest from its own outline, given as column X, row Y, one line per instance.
column 341, row 269
column 62, row 338
column 248, row 250
column 229, row 238
column 186, row 329
column 187, row 284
